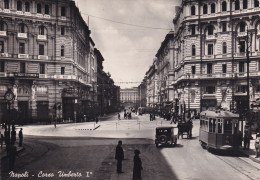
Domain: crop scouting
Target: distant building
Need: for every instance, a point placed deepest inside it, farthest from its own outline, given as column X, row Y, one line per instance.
column 129, row 97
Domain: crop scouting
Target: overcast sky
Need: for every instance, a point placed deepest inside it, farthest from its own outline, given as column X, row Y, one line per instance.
column 128, row 50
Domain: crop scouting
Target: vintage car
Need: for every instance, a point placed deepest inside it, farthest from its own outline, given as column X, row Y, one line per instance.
column 165, row 135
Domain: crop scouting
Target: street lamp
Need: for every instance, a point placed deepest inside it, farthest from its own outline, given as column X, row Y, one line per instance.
column 188, row 83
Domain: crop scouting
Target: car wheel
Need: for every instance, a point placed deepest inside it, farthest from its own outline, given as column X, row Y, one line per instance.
column 162, row 139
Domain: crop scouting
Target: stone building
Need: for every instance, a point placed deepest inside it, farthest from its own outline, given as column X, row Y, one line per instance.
column 211, row 39
column 129, row 97
column 46, row 59
column 152, row 84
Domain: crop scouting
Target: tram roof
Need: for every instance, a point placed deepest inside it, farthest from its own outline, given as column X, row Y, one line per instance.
column 220, row 114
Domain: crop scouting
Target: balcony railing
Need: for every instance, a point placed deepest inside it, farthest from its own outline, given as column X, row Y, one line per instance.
column 4, row 54
column 63, row 18
column 2, row 33
column 39, row 15
column 19, row 12
column 23, row 56
column 241, row 34
column 42, row 37
column 6, row 11
column 27, row 14
column 43, row 57
column 22, row 35
column 210, row 37
column 47, row 16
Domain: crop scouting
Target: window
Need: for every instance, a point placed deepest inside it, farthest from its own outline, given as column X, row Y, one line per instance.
column 63, row 11
column 21, row 48
column 210, row 49
column 27, row 7
column 209, row 68
column 224, row 68
column 22, row 67
column 22, row 29
column 210, row 30
column 41, row 49
column 62, row 51
column 224, row 6
column 193, row 29
column 42, row 68
column 219, row 126
column 2, row 27
column 41, row 30
column 212, row 6
column 256, row 3
column 242, row 46
column 62, row 30
column 6, row 4
column 19, row 6
column 205, row 9
column 210, row 90
column 244, row 4
column 242, row 27
column 258, row 88
column 224, row 26
column 39, row 8
column 193, row 69
column 193, row 52
column 193, row 10
column 47, row 9
column 237, row 5
column 224, row 51
column 1, row 46
column 2, row 66
column 241, row 67
column 62, row 70
column 241, row 89
column 193, row 96
column 258, row 65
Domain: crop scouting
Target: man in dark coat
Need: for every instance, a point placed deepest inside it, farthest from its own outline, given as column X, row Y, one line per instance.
column 21, row 137
column 119, row 156
column 137, row 166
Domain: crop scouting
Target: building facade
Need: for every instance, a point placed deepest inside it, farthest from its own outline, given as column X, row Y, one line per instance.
column 46, row 60
column 152, row 86
column 211, row 42
column 129, row 98
column 142, row 93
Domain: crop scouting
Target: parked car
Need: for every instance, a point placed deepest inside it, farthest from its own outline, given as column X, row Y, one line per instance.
column 165, row 136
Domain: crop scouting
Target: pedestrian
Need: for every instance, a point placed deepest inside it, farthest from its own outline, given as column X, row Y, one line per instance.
column 151, row 117
column 12, row 153
column 2, row 140
column 246, row 140
column 119, row 156
column 118, row 115
column 257, row 145
column 13, row 135
column 137, row 166
column 7, row 136
column 21, row 137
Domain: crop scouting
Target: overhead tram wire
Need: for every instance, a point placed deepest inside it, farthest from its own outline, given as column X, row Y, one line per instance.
column 146, row 27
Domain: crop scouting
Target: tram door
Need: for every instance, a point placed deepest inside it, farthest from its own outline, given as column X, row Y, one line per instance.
column 23, row 108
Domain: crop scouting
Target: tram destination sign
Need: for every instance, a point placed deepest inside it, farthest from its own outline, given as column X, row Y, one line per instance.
column 26, row 75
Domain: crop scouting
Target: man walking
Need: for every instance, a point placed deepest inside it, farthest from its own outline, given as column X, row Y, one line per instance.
column 119, row 156
column 21, row 137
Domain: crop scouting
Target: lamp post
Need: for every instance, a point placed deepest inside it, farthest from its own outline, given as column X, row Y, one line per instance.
column 188, row 83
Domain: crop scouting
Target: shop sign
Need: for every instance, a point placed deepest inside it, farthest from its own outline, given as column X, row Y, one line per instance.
column 27, row 75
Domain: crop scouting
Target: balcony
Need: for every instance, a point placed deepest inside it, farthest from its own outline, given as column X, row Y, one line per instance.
column 42, row 37
column 63, row 18
column 47, row 16
column 210, row 37
column 23, row 56
column 22, row 35
column 43, row 76
column 241, row 34
column 4, row 54
column 3, row 74
column 2, row 33
column 39, row 15
column 19, row 12
column 43, row 57
column 27, row 14
column 6, row 11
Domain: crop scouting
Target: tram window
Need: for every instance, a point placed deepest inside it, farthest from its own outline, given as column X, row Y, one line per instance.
column 228, row 126
column 235, row 128
column 206, row 125
column 214, row 125
column 219, row 126
column 210, row 125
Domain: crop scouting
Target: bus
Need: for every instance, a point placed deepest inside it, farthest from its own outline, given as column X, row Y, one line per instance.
column 220, row 130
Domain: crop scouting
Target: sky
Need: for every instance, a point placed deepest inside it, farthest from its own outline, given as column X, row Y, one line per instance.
column 128, row 33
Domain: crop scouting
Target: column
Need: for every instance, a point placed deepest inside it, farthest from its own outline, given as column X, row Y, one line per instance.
column 15, row 88
column 33, row 101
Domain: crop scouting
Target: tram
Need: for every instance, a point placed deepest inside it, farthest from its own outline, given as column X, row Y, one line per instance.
column 220, row 130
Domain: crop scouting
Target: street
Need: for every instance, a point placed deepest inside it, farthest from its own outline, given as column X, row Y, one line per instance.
column 71, row 151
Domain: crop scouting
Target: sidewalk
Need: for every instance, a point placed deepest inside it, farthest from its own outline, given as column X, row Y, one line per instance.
column 3, row 152
column 251, row 152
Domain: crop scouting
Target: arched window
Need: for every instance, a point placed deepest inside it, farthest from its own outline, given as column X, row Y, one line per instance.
column 244, row 4
column 39, row 8
column 256, row 3
column 212, row 6
column 210, row 30
column 62, row 49
column 224, row 48
column 193, row 10
column 224, row 6
column 19, row 6
column 6, row 4
column 63, row 11
column 242, row 27
column 205, row 9
column 237, row 5
column 41, row 30
column 27, row 7
column 193, row 52
column 47, row 9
